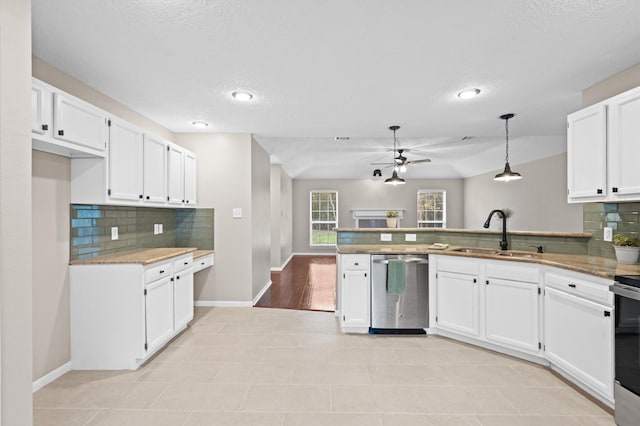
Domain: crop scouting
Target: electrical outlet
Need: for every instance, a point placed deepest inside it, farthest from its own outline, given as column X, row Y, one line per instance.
column 114, row 232
column 608, row 234
column 237, row 212
column 409, row 237
column 385, row 237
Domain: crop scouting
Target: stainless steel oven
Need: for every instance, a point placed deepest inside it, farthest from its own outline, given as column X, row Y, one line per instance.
column 627, row 349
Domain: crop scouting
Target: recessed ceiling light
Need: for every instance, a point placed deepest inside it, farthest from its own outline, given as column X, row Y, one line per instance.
column 242, row 95
column 469, row 93
column 200, row 124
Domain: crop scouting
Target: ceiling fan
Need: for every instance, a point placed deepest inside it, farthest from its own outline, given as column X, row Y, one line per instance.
column 400, row 161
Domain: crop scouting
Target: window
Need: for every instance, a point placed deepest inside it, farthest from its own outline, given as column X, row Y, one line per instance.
column 324, row 218
column 432, row 208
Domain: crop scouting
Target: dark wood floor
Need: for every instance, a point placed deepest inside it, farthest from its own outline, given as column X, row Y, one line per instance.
column 306, row 283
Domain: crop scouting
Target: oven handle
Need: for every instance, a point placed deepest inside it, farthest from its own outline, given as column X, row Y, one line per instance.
column 624, row 292
column 412, row 260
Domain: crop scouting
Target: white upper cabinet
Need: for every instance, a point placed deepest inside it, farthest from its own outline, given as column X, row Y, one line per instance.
column 125, row 161
column 78, row 122
column 175, row 178
column 602, row 150
column 624, row 151
column 64, row 125
column 587, row 154
column 155, row 169
column 189, row 178
column 40, row 109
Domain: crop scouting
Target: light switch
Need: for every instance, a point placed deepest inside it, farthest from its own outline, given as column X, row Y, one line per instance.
column 237, row 212
column 160, row 228
column 608, row 233
column 114, row 232
column 155, row 229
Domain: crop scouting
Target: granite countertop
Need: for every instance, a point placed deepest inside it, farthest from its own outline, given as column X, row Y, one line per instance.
column 593, row 265
column 142, row 256
column 202, row 253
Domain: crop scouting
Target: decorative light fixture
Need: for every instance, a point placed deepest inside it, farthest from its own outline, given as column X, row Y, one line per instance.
column 507, row 175
column 394, row 179
column 242, row 95
column 200, row 124
column 469, row 93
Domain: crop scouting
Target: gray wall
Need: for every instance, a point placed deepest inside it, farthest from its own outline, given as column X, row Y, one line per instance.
column 260, row 218
column 15, row 214
column 281, row 225
column 538, row 200
column 224, row 184
column 370, row 194
column 51, row 194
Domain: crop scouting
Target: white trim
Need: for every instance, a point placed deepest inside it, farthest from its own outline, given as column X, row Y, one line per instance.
column 50, row 377
column 261, row 292
column 223, row 303
column 284, row 265
column 320, row 253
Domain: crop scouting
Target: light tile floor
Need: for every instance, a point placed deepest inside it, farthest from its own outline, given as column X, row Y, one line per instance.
column 264, row 367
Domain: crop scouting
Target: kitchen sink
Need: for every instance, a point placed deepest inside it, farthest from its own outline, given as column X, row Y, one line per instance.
column 525, row 255
column 477, row 250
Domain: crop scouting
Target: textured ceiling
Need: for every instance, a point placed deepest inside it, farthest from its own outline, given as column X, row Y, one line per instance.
column 327, row 68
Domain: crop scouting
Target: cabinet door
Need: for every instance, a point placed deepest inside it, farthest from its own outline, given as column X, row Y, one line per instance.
column 183, row 298
column 40, row 109
column 158, row 312
column 190, row 178
column 457, row 303
column 355, row 299
column 78, row 122
column 155, row 170
column 624, row 146
column 587, row 154
column 175, row 174
column 579, row 339
column 511, row 314
column 125, row 161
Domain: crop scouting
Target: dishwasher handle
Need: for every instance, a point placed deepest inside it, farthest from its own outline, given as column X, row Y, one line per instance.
column 410, row 260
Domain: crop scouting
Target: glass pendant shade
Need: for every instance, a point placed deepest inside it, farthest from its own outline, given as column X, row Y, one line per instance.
column 507, row 175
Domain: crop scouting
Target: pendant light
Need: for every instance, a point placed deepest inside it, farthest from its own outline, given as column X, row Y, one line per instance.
column 507, row 175
column 394, row 179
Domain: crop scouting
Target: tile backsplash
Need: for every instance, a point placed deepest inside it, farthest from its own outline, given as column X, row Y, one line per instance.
column 91, row 229
column 623, row 218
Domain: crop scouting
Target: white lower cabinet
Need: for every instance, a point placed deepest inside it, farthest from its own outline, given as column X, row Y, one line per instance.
column 123, row 313
column 458, row 303
column 579, row 338
column 158, row 303
column 355, row 293
column 512, row 306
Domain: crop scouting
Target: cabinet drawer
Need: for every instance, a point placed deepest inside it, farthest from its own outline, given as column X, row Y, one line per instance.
column 157, row 271
column 514, row 272
column 591, row 288
column 202, row 263
column 182, row 263
column 458, row 264
column 359, row 262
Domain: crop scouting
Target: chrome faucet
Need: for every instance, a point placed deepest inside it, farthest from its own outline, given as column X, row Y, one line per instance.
column 504, row 245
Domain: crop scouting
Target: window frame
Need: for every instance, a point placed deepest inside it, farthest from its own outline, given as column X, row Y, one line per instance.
column 312, row 222
column 444, row 210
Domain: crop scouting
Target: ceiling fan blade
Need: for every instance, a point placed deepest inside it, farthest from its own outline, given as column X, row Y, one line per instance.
column 425, row 160
column 382, row 164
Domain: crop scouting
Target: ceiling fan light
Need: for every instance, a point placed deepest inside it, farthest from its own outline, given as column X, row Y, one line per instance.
column 394, row 179
column 200, row 124
column 403, row 169
column 469, row 93
column 507, row 175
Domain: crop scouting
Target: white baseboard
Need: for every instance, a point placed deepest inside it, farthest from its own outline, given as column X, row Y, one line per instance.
column 261, row 292
column 50, row 377
column 284, row 265
column 223, row 303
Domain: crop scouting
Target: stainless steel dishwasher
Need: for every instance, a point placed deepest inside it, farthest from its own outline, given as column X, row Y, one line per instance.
column 400, row 303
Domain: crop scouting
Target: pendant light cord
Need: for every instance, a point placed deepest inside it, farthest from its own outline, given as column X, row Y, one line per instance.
column 506, row 126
